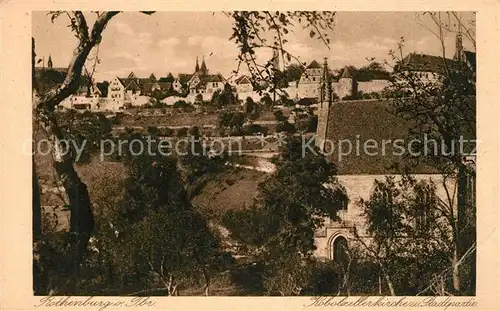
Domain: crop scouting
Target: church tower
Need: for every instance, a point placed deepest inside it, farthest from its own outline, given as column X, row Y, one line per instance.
column 197, row 67
column 203, row 68
column 49, row 63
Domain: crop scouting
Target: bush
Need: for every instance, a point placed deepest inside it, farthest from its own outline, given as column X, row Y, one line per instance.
column 182, row 132
column 307, row 101
column 286, row 127
column 278, row 114
column 167, row 132
column 254, row 129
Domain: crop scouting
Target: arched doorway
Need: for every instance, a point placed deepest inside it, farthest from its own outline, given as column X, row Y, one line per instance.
column 340, row 250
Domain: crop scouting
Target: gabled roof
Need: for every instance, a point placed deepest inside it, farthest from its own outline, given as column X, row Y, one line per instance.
column 242, row 80
column 424, row 62
column 213, row 78
column 365, row 120
column 165, row 85
column 131, row 85
column 103, row 88
column 185, row 77
column 166, row 79
column 204, row 79
column 346, row 73
column 143, row 84
column 314, row 65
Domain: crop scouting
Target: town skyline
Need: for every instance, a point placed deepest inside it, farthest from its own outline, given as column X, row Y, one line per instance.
column 147, row 44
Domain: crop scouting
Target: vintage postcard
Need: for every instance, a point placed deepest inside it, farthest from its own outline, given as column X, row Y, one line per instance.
column 275, row 155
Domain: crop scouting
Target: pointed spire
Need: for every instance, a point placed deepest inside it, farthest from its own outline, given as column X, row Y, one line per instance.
column 203, row 68
column 49, row 62
column 197, row 67
column 325, row 86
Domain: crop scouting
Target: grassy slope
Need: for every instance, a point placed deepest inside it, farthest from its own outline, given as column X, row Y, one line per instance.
column 233, row 189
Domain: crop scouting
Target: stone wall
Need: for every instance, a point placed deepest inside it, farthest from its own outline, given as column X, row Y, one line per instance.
column 360, row 187
column 376, row 86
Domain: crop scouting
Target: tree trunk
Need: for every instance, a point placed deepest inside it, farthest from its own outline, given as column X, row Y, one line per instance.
column 387, row 280
column 207, row 282
column 456, row 271
column 389, row 284
column 81, row 216
column 82, row 220
column 37, row 210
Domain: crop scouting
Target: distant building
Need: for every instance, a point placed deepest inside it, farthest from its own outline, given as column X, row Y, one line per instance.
column 360, row 121
column 204, row 83
column 133, row 91
column 243, row 84
column 308, row 85
column 346, row 86
column 431, row 68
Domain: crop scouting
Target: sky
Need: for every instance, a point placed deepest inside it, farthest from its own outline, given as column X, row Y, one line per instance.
column 170, row 41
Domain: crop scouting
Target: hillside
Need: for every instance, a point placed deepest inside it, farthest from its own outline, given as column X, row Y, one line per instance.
column 233, row 189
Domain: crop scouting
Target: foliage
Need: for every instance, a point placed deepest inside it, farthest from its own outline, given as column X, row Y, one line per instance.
column 266, row 101
column 286, row 127
column 307, row 101
column 249, row 31
column 251, row 109
column 370, row 72
column 224, row 98
column 232, row 121
column 182, row 132
column 442, row 108
column 312, row 124
column 170, row 239
column 145, row 232
column 85, row 130
column 197, row 161
column 278, row 114
column 410, row 234
column 291, row 205
column 254, row 129
column 184, row 106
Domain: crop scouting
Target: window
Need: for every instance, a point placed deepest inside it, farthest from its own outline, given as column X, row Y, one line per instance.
column 424, row 199
column 471, row 189
column 383, row 200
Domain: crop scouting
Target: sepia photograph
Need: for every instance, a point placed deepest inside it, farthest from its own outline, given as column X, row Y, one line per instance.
column 253, row 153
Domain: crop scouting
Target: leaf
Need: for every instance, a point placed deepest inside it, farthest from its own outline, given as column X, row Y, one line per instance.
column 312, row 34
